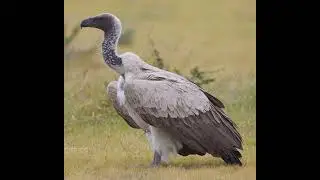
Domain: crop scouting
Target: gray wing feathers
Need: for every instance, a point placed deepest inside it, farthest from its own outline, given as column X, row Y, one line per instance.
column 165, row 98
column 214, row 100
column 186, row 112
column 111, row 89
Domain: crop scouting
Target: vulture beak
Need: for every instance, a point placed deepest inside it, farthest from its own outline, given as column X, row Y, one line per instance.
column 86, row 23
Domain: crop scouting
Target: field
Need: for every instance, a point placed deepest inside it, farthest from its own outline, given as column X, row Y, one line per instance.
column 212, row 35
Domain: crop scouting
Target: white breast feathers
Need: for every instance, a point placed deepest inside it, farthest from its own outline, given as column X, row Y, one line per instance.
column 120, row 92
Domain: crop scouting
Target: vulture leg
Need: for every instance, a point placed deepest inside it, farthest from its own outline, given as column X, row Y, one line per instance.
column 156, row 159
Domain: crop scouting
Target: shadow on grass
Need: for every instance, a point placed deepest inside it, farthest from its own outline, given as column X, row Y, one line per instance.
column 191, row 165
column 183, row 164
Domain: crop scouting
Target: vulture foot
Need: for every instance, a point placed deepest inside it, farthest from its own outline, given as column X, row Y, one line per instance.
column 156, row 159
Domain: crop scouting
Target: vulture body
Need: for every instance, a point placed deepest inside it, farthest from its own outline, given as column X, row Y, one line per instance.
column 178, row 116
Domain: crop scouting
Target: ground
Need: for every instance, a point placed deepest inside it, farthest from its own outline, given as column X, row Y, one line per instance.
column 209, row 34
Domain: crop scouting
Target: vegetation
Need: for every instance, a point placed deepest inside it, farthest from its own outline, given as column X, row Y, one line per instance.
column 197, row 76
column 218, row 40
column 69, row 52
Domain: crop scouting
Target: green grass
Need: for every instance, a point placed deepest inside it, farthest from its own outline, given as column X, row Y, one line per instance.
column 208, row 34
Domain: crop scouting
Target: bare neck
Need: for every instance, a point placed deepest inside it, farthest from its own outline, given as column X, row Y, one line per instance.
column 109, row 49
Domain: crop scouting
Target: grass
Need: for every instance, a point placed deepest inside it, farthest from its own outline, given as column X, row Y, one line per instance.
column 209, row 34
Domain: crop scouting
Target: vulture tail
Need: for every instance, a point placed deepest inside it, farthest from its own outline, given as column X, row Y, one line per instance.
column 232, row 158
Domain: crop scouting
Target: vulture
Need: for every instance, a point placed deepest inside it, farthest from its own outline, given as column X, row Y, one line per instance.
column 178, row 116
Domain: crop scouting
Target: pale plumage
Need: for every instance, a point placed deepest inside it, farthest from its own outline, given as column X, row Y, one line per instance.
column 111, row 89
column 179, row 116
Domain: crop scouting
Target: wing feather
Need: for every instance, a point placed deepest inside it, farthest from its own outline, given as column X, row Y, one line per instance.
column 112, row 94
column 188, row 113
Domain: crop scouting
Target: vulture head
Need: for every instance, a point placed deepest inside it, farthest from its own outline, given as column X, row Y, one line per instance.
column 105, row 22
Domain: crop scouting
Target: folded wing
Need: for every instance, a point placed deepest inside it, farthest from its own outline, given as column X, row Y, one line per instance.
column 188, row 113
column 112, row 94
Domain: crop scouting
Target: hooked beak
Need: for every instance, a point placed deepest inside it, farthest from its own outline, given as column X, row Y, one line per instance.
column 86, row 23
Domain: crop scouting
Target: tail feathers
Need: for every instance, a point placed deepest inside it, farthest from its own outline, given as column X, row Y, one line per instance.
column 237, row 153
column 232, row 158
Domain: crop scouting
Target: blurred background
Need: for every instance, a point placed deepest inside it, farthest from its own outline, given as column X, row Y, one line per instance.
column 211, row 42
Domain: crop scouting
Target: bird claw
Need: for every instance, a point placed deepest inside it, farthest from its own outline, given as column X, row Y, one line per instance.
column 154, row 165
